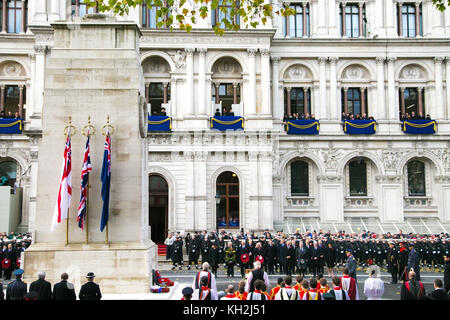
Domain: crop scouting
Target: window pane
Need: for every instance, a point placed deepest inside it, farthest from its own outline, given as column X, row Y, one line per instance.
column 416, row 178
column 358, row 178
column 233, row 212
column 221, row 213
column 299, row 178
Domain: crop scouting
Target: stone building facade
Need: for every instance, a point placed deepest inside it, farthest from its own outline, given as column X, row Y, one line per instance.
column 375, row 52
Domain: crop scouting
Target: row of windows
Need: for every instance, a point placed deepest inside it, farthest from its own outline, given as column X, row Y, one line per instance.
column 357, row 170
column 354, row 101
column 352, row 19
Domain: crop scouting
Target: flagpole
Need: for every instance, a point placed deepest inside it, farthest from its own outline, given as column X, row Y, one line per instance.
column 69, row 134
column 108, row 127
column 87, row 210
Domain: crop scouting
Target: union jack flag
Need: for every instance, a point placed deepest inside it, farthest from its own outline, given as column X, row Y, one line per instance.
column 106, row 179
column 65, row 187
column 85, row 169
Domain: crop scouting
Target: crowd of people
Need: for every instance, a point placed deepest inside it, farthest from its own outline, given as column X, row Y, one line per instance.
column 312, row 253
column 9, row 115
column 358, row 116
column 413, row 116
column 299, row 116
column 12, row 245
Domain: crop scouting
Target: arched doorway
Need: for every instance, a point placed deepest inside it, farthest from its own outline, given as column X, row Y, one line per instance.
column 158, row 193
column 227, row 200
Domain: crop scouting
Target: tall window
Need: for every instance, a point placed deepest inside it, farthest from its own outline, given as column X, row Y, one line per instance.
column 299, row 178
column 12, row 100
column 297, row 100
column 354, row 101
column 227, row 200
column 416, row 178
column 16, row 16
column 227, row 93
column 80, row 9
column 352, row 17
column 8, row 170
column 224, row 11
column 412, row 102
column 358, row 177
column 149, row 17
column 409, row 20
column 158, row 93
column 297, row 26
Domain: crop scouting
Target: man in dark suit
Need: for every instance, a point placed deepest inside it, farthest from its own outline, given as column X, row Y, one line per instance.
column 64, row 290
column 439, row 293
column 230, row 113
column 90, row 290
column 11, row 255
column 17, row 289
column 42, row 288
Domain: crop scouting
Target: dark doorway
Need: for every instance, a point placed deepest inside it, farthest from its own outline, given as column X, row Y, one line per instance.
column 158, row 208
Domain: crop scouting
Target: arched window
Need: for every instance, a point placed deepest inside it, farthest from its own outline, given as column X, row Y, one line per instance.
column 358, row 177
column 416, row 178
column 299, row 178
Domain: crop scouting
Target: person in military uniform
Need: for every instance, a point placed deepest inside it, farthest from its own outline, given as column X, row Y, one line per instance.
column 17, row 289
column 392, row 262
column 177, row 255
column 403, row 262
column 193, row 253
column 230, row 259
column 90, row 290
column 205, row 246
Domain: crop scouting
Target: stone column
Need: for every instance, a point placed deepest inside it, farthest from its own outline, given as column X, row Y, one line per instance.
column 24, row 16
column 420, row 99
column 216, row 86
column 345, row 100
column 305, row 100
column 391, row 109
column 447, row 80
column 360, row 12
column 334, row 114
column 344, row 33
column 21, row 100
column 322, row 28
column 173, row 98
column 363, row 100
column 165, row 84
column 288, row 91
column 277, row 111
column 54, row 10
column 402, row 101
column 251, row 107
column 40, row 78
column 4, row 9
column 381, row 97
column 305, row 28
column 189, row 82
column 439, row 106
column 235, row 85
column 2, row 98
column 321, row 113
column 265, row 82
column 417, row 12
column 147, row 88
column 201, row 99
column 400, row 19
column 40, row 11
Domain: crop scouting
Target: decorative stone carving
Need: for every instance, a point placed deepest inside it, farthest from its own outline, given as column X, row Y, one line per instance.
column 412, row 72
column 389, row 179
column 391, row 158
column 444, row 157
column 331, row 158
column 180, row 60
column 355, row 73
column 227, row 66
column 12, row 69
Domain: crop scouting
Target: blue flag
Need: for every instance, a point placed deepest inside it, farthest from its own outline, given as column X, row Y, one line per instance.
column 106, row 180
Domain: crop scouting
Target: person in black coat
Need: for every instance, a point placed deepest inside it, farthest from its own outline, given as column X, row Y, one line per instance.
column 282, row 253
column 392, row 262
column 330, row 259
column 177, row 255
column 243, row 250
column 42, row 288
column 302, row 256
column 439, row 293
column 214, row 258
column 90, row 290
column 11, row 255
column 447, row 272
column 290, row 258
column 272, row 257
column 193, row 252
column 64, row 290
column 17, row 289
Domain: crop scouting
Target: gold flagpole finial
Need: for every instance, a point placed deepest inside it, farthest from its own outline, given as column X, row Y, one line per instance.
column 90, row 128
column 72, row 130
column 110, row 128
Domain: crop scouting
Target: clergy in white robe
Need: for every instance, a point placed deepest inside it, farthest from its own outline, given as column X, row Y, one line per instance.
column 374, row 286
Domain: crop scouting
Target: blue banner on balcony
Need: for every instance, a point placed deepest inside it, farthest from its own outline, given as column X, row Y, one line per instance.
column 10, row 126
column 419, row 126
column 360, row 126
column 227, row 123
column 159, row 123
column 302, row 127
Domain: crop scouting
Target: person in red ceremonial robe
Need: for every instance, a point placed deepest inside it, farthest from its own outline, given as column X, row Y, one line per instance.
column 323, row 286
column 349, row 284
column 205, row 292
column 241, row 293
column 275, row 290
